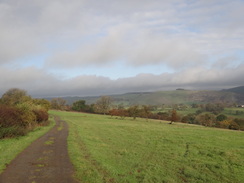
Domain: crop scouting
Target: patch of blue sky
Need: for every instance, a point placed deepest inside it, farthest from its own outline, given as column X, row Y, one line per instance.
column 113, row 72
column 232, row 59
column 36, row 61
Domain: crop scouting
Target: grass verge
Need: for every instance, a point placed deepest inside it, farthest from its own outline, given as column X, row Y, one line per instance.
column 11, row 147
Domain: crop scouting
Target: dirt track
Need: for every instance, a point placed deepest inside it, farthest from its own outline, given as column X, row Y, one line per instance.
column 45, row 161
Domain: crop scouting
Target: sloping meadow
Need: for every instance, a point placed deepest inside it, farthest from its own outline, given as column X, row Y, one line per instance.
column 105, row 149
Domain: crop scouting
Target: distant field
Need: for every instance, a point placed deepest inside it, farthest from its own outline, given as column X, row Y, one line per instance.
column 234, row 112
column 111, row 150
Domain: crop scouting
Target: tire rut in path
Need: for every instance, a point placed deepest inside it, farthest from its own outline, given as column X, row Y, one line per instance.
column 46, row 160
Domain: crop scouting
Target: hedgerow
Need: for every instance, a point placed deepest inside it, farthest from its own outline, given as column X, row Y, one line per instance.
column 20, row 114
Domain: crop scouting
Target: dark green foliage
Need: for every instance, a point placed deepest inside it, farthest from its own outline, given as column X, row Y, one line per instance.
column 214, row 108
column 12, row 131
column 240, row 122
column 199, row 111
column 163, row 115
column 189, row 118
column 221, row 117
column 79, row 105
column 194, row 105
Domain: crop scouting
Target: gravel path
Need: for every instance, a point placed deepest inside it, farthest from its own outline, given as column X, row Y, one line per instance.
column 46, row 160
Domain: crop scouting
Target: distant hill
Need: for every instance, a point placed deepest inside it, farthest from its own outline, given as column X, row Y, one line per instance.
column 239, row 90
column 233, row 95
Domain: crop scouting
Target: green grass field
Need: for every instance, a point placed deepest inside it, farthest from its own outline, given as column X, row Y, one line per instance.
column 11, row 147
column 234, row 112
column 103, row 149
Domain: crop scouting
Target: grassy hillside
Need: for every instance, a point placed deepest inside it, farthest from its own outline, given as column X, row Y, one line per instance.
column 239, row 90
column 111, row 150
column 167, row 97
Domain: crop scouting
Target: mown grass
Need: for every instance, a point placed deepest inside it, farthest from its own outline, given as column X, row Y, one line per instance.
column 11, row 147
column 103, row 149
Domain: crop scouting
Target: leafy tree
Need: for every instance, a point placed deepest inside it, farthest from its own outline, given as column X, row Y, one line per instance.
column 199, row 111
column 91, row 108
column 163, row 115
column 14, row 96
column 79, row 105
column 221, row 117
column 240, row 123
column 42, row 102
column 214, row 108
column 234, row 126
column 206, row 119
column 133, row 111
column 27, row 115
column 194, row 105
column 41, row 114
column 189, row 118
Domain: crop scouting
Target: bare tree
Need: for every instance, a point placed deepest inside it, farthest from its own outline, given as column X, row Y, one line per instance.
column 58, row 103
column 103, row 104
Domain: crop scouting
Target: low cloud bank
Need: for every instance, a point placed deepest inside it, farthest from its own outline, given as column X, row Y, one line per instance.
column 39, row 83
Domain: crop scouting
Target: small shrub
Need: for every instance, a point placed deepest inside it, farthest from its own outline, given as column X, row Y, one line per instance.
column 10, row 116
column 240, row 123
column 234, row 126
column 225, row 123
column 41, row 115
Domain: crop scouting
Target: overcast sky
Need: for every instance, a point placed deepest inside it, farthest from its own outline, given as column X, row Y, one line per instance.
column 99, row 47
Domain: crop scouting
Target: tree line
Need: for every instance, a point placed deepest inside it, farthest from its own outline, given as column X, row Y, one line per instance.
column 20, row 113
column 205, row 114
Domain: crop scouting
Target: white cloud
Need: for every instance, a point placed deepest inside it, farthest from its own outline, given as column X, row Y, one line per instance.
column 39, row 83
column 198, row 40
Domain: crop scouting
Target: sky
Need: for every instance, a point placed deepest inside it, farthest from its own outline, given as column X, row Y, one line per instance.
column 101, row 47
